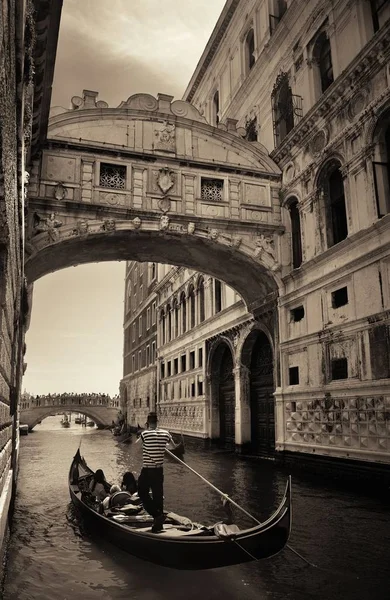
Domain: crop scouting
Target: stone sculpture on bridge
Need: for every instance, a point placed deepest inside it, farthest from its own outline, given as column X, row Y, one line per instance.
column 49, row 224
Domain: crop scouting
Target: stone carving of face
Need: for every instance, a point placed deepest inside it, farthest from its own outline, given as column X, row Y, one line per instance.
column 191, row 227
column 214, row 233
column 109, row 224
column 137, row 223
column 83, row 226
column 164, row 222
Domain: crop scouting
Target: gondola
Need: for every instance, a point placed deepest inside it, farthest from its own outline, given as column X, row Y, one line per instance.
column 182, row 544
column 124, row 438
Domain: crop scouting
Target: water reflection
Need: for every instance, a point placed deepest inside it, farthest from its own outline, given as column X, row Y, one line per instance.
column 51, row 556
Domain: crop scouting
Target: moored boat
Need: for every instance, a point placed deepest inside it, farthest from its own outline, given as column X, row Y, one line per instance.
column 182, row 544
column 23, row 429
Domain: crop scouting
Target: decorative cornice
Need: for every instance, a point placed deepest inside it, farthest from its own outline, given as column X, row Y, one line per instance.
column 211, row 48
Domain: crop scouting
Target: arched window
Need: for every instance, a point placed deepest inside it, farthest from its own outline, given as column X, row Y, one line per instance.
column 217, row 295
column 322, row 64
column 249, row 50
column 162, row 325
column 331, row 182
column 176, row 315
column 381, row 166
column 325, row 64
column 191, row 299
column 153, row 271
column 183, row 312
column 129, row 294
column 215, row 116
column 201, row 300
column 169, row 323
column 287, row 108
column 296, row 240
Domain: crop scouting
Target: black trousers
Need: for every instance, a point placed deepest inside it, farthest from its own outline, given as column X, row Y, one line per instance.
column 152, row 479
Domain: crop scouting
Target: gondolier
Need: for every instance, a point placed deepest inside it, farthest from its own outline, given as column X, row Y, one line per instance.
column 154, row 442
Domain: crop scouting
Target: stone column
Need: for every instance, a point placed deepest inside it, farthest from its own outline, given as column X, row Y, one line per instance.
column 208, row 297
column 212, row 403
column 243, row 411
column 196, row 311
column 279, row 420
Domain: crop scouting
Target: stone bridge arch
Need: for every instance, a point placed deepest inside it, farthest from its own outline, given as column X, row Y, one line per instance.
column 150, row 180
column 102, row 416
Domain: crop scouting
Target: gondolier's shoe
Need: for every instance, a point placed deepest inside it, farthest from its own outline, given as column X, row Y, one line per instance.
column 158, row 524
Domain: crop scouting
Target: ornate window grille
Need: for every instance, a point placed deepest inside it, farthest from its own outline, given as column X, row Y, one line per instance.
column 112, row 176
column 287, row 108
column 212, row 190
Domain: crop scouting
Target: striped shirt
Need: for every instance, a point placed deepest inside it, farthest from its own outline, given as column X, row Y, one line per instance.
column 154, row 442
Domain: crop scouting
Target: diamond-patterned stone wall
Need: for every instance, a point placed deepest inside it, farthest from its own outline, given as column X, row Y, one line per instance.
column 358, row 422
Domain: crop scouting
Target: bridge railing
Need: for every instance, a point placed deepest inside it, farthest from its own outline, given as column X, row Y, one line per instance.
column 76, row 400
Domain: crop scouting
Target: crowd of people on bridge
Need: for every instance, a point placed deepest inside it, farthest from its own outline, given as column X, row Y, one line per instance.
column 69, row 398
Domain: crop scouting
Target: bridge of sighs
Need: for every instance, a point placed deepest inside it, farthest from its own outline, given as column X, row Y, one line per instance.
column 151, row 180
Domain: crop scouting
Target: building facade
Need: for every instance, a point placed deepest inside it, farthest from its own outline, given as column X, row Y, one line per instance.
column 28, row 34
column 309, row 371
column 139, row 384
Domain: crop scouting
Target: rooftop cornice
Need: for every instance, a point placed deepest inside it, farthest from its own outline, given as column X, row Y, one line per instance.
column 211, row 48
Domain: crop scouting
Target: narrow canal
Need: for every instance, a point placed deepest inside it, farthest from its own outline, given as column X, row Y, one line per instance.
column 51, row 557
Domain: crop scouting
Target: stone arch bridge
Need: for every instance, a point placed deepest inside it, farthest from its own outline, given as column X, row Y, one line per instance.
column 34, row 410
column 151, row 180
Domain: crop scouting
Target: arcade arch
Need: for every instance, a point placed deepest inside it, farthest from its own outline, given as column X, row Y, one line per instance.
column 242, row 378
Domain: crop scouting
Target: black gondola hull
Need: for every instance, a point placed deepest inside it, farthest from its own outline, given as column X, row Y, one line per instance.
column 194, row 551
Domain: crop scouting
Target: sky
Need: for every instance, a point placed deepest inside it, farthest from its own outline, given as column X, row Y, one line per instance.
column 117, row 48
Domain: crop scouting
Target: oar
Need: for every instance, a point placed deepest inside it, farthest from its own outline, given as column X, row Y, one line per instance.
column 213, row 486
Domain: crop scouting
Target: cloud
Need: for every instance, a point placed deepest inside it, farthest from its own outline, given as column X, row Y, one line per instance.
column 121, row 48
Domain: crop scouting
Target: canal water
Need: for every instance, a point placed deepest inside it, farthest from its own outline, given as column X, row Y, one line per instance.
column 52, row 557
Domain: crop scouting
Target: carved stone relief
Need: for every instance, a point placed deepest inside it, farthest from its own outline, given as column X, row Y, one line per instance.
column 165, row 137
column 164, row 223
column 164, row 204
column 109, row 225
column 60, row 191
column 213, row 234
column 235, row 242
column 165, row 179
column 49, row 224
column 191, row 227
column 357, row 103
column 265, row 244
column 318, row 142
column 82, row 228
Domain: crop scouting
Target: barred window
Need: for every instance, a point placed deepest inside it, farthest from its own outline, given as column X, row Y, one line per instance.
column 212, row 189
column 112, row 176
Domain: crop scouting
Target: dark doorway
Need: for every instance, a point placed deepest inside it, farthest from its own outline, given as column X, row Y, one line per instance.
column 262, row 400
column 227, row 401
